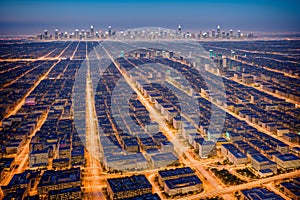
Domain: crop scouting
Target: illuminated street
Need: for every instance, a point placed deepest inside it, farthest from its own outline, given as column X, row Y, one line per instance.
column 149, row 113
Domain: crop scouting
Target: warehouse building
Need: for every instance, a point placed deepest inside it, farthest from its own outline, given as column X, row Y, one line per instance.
column 207, row 148
column 125, row 161
column 68, row 193
column 182, row 185
column 288, row 161
column 39, row 157
column 259, row 194
column 22, row 180
column 260, row 162
column 128, row 187
column 174, row 173
column 291, row 189
column 234, row 154
column 179, row 181
column 163, row 159
column 57, row 180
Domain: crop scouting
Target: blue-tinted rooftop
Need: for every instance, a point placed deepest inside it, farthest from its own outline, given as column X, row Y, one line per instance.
column 288, row 157
column 183, row 182
column 129, row 183
column 260, row 194
column 175, row 172
column 148, row 196
column 260, row 158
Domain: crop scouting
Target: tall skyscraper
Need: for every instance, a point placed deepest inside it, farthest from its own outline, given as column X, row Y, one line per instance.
column 218, row 31
column 92, row 31
column 179, row 30
column 76, row 33
column 109, row 31
column 239, row 34
column 213, row 34
column 46, row 34
column 223, row 34
column 227, row 35
column 231, row 33
column 82, row 33
column 56, row 34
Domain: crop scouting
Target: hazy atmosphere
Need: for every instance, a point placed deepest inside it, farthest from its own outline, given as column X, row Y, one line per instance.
column 32, row 16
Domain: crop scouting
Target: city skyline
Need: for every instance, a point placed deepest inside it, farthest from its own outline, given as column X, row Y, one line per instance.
column 30, row 17
column 179, row 119
column 141, row 33
column 160, row 100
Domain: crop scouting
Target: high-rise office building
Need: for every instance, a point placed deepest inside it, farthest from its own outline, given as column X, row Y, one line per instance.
column 227, row 35
column 92, row 31
column 179, row 30
column 239, row 34
column 76, row 33
column 231, row 33
column 207, row 34
column 109, row 31
column 82, row 33
column 213, row 34
column 45, row 34
column 218, row 31
column 223, row 34
column 56, row 34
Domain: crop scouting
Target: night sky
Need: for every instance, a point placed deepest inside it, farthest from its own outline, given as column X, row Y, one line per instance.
column 32, row 16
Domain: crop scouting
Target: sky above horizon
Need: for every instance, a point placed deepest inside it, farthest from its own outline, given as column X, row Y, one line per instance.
column 33, row 16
